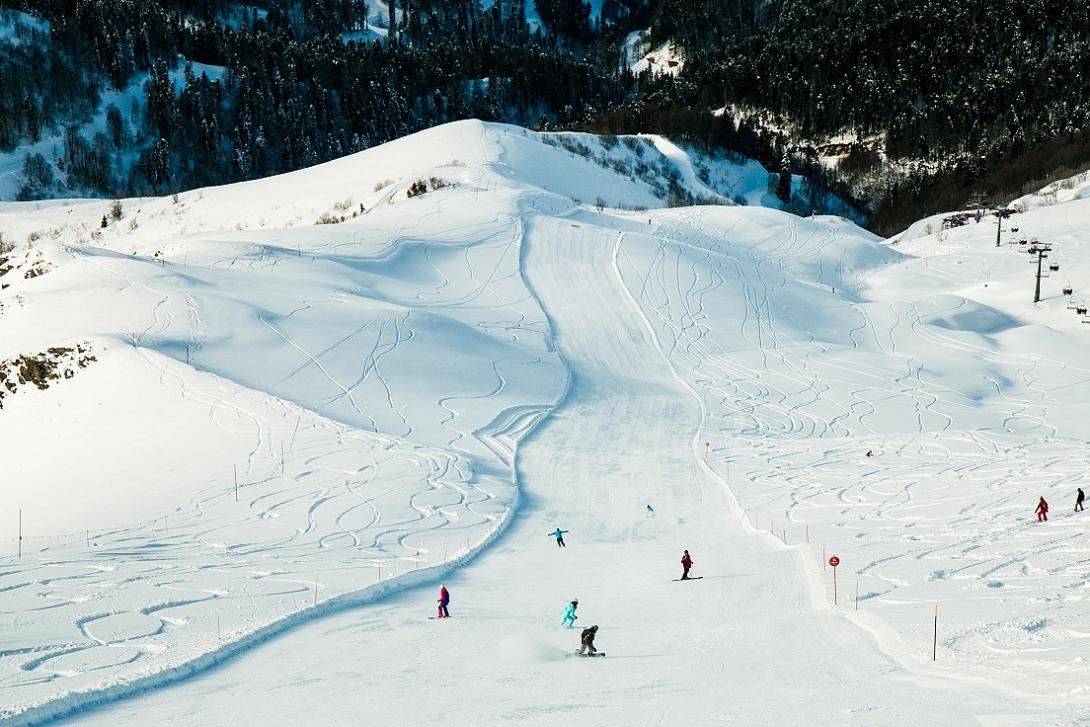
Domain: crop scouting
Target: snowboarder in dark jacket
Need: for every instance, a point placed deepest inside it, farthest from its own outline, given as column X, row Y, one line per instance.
column 587, row 641
column 1042, row 510
column 686, row 563
column 1078, row 499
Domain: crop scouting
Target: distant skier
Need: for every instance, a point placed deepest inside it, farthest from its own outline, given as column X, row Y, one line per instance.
column 559, row 535
column 1078, row 499
column 569, row 614
column 1042, row 510
column 444, row 599
column 870, row 453
column 650, row 511
column 586, row 641
column 686, row 563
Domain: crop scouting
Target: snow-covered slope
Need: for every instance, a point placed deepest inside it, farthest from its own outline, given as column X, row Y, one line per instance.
column 495, row 342
column 1064, row 190
column 641, row 57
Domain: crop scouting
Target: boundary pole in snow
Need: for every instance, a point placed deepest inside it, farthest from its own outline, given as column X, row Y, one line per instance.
column 281, row 458
column 807, row 533
column 20, row 533
column 236, row 482
column 834, row 562
column 857, row 594
column 315, row 594
column 935, row 637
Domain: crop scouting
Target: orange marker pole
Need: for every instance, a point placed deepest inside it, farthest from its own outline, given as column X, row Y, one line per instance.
column 834, row 562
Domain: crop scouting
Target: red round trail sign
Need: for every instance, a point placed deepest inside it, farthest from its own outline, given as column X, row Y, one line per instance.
column 834, row 561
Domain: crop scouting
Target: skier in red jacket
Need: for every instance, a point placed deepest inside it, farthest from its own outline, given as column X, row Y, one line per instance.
column 686, row 563
column 1042, row 510
column 444, row 599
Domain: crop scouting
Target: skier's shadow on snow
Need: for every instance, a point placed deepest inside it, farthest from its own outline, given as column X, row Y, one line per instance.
column 709, row 578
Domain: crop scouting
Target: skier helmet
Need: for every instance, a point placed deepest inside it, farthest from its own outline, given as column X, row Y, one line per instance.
column 594, row 627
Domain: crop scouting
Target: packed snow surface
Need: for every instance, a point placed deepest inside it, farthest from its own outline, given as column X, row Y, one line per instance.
column 290, row 433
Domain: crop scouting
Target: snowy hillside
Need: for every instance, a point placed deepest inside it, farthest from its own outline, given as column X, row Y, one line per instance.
column 1064, row 190
column 256, row 426
column 640, row 57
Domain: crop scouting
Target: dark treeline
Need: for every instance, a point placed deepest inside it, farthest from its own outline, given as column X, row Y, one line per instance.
column 984, row 91
column 937, row 76
column 974, row 86
column 294, row 92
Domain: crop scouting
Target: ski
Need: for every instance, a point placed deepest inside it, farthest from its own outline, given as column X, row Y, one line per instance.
column 694, row 578
column 599, row 653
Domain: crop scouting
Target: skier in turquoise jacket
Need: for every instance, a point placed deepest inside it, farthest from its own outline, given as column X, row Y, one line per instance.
column 569, row 614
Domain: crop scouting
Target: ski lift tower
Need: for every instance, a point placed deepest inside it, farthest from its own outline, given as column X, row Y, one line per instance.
column 1001, row 215
column 1041, row 250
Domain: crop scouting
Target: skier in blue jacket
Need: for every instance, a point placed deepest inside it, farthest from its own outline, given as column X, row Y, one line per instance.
column 559, row 535
column 569, row 613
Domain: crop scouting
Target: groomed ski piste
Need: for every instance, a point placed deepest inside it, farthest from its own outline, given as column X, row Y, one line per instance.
column 267, row 441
